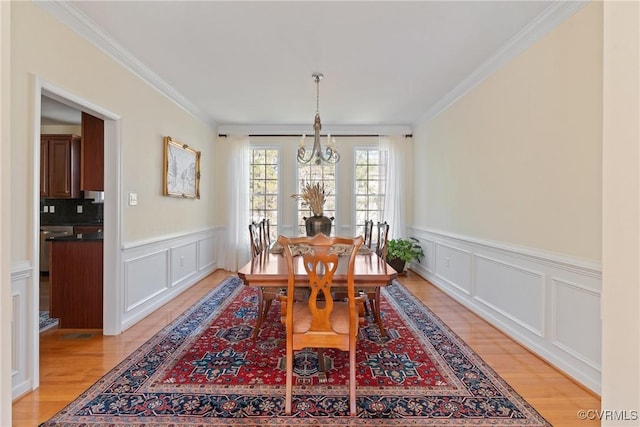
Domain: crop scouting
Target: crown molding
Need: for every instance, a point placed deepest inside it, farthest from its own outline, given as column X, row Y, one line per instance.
column 550, row 18
column 66, row 13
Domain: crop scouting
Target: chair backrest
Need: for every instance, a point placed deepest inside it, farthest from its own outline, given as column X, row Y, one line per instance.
column 255, row 237
column 321, row 263
column 368, row 231
column 266, row 234
column 383, row 236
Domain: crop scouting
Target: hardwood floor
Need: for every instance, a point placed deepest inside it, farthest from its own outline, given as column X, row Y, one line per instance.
column 72, row 360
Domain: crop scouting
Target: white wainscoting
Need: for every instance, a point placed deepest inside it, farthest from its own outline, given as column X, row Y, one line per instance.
column 548, row 303
column 153, row 272
column 21, row 322
column 156, row 271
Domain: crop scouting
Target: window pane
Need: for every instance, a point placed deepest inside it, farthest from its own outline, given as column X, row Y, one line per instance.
column 258, row 186
column 361, row 157
column 271, row 203
column 374, row 187
column 271, row 157
column 258, row 171
column 257, row 203
column 271, row 186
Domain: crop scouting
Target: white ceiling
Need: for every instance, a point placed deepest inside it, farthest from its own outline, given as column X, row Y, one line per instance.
column 244, row 64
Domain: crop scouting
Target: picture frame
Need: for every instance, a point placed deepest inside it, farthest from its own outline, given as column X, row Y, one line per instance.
column 181, row 170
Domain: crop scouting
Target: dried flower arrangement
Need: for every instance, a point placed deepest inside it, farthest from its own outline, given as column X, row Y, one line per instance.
column 313, row 196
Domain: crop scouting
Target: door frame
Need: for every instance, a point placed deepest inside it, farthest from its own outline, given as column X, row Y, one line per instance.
column 112, row 277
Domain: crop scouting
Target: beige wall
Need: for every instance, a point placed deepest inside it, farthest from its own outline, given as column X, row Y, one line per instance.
column 518, row 159
column 59, row 56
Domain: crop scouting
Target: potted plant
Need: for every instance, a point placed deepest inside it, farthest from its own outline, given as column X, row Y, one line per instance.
column 402, row 251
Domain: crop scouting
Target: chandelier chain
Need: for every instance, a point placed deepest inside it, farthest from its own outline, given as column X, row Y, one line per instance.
column 317, row 93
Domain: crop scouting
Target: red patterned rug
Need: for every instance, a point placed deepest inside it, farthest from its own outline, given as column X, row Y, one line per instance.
column 204, row 369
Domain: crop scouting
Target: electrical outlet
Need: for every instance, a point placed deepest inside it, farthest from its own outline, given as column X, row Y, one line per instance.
column 79, row 208
column 133, row 199
column 46, row 209
column 52, row 209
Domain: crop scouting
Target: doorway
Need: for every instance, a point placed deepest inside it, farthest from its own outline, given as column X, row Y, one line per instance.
column 112, row 239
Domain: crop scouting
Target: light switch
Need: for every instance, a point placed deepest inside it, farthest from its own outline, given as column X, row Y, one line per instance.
column 79, row 208
column 133, row 199
column 52, row 209
column 46, row 209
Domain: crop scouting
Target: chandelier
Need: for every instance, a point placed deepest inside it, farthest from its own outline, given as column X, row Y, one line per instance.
column 318, row 154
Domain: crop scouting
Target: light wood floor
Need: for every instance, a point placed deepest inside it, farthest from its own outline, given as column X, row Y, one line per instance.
column 71, row 361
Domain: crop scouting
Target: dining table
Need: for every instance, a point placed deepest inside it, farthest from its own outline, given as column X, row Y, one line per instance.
column 268, row 271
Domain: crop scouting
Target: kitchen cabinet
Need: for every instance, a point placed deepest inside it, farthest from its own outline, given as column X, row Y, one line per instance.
column 85, row 229
column 60, row 166
column 92, row 163
column 75, row 282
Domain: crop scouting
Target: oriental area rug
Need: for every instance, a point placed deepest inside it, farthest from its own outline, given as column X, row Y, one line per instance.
column 205, row 369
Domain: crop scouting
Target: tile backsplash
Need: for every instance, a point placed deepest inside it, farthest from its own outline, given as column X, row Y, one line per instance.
column 70, row 211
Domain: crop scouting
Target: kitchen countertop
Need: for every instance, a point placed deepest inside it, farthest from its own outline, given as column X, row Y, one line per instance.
column 78, row 237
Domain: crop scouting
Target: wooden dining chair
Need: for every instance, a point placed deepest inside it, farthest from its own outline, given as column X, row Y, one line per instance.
column 255, row 238
column 368, row 231
column 372, row 295
column 320, row 321
column 266, row 234
column 383, row 237
column 266, row 294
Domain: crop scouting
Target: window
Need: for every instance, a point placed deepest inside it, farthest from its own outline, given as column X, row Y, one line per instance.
column 369, row 172
column 263, row 187
column 312, row 173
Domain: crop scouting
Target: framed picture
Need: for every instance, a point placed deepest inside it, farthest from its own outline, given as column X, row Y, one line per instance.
column 181, row 170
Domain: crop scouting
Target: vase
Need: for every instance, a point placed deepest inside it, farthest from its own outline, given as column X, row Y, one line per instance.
column 318, row 224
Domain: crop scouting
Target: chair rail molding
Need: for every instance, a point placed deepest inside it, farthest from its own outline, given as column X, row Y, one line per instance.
column 548, row 302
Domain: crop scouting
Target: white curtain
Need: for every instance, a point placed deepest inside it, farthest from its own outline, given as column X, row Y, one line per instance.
column 396, row 184
column 238, row 236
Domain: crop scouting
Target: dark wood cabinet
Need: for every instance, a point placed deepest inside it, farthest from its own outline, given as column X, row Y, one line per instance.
column 92, row 164
column 60, row 166
column 75, row 278
column 82, row 229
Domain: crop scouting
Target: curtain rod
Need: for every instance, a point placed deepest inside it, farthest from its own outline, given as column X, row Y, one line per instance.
column 279, row 135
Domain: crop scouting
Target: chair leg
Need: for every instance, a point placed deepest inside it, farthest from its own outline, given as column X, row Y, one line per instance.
column 363, row 294
column 265, row 298
column 256, row 328
column 289, row 382
column 352, row 377
column 374, row 300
